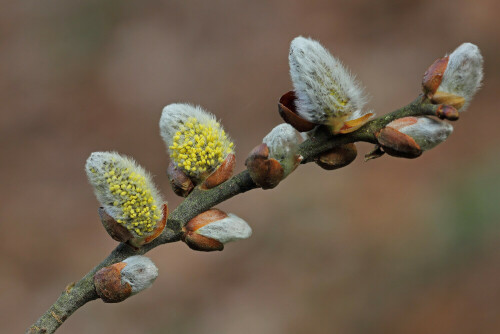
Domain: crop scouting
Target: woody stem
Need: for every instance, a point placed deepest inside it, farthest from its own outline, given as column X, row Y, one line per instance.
column 83, row 291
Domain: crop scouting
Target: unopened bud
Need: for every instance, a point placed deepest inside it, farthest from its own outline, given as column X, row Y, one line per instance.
column 265, row 172
column 337, row 157
column 447, row 112
column 398, row 144
column 121, row 280
column 462, row 77
column 427, row 132
column 283, row 143
column 210, row 230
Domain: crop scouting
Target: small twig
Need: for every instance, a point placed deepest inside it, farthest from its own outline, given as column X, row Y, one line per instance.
column 200, row 200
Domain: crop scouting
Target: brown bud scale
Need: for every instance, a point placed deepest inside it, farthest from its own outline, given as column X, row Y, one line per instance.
column 117, row 231
column 160, row 225
column 199, row 242
column 337, row 157
column 221, row 174
column 434, row 75
column 108, row 284
column 203, row 219
column 398, row 144
column 354, row 124
column 288, row 112
column 447, row 112
column 181, row 184
column 265, row 172
column 400, row 123
column 452, row 100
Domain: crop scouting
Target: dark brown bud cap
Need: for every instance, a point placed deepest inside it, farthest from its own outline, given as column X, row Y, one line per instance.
column 117, row 231
column 265, row 172
column 398, row 144
column 287, row 110
column 181, row 184
column 337, row 157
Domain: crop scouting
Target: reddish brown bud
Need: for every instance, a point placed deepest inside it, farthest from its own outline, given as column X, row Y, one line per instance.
column 109, row 286
column 398, row 144
column 121, row 280
column 447, row 112
column 265, row 172
column 287, row 110
column 337, row 157
column 434, row 75
column 452, row 100
column 221, row 174
column 180, row 182
column 199, row 242
column 210, row 230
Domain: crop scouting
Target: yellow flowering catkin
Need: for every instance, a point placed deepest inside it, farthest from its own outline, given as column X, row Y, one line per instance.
column 125, row 191
column 196, row 141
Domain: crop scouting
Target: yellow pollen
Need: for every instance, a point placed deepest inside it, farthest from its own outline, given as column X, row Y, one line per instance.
column 132, row 195
column 197, row 147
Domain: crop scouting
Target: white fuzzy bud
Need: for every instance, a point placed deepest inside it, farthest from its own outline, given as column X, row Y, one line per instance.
column 283, row 143
column 225, row 230
column 140, row 272
column 196, row 142
column 464, row 73
column 327, row 93
column 427, row 132
column 126, row 191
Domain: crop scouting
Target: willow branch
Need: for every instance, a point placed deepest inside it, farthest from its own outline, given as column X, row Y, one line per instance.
column 78, row 294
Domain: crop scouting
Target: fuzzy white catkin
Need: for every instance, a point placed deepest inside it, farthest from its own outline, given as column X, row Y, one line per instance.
column 427, row 132
column 324, row 88
column 283, row 143
column 464, row 73
column 229, row 229
column 140, row 272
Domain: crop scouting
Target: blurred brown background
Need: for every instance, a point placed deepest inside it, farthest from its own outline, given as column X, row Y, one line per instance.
column 388, row 246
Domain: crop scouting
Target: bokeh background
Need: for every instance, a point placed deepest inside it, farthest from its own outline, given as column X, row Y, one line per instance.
column 388, row 246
